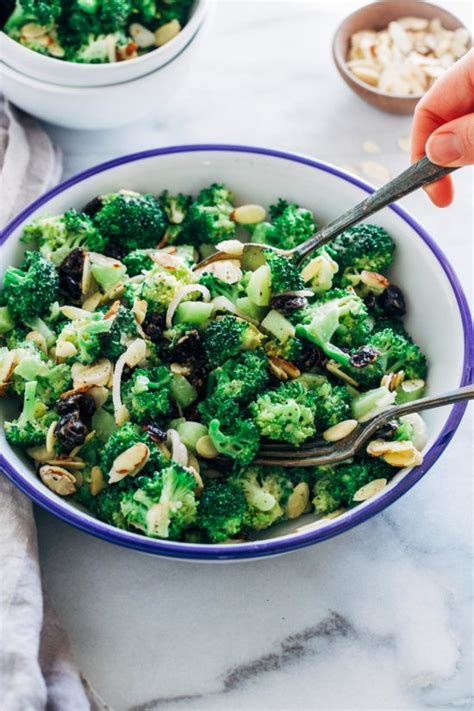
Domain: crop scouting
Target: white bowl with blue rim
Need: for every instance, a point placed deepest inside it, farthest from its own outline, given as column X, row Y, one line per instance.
column 43, row 68
column 438, row 314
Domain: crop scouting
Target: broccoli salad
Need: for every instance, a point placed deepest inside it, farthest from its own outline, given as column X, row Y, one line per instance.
column 144, row 387
column 96, row 31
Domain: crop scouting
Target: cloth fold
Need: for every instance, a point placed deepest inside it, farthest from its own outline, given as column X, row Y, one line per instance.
column 37, row 670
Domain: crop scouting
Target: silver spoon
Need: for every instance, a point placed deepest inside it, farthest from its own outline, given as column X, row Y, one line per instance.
column 416, row 176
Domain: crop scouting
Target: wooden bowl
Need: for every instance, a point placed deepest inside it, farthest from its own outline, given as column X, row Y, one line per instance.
column 377, row 16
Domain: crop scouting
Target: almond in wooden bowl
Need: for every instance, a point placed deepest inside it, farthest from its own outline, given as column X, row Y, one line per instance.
column 391, row 52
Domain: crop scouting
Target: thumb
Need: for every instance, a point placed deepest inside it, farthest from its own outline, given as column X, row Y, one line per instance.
column 453, row 143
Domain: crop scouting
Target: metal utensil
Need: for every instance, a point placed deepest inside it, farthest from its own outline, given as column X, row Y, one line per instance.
column 416, row 176
column 317, row 452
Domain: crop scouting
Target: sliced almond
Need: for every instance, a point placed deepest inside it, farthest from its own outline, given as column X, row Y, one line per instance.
column 51, row 437
column 139, row 310
column 288, row 368
column 7, row 367
column 97, row 482
column 65, row 349
column 129, row 463
column 205, row 447
column 404, row 459
column 374, row 281
column 100, row 395
column 58, row 480
column 167, row 32
column 113, row 310
column 97, row 374
column 39, row 339
column 92, row 301
column 32, row 30
column 74, row 313
column 143, row 37
column 298, row 500
column 68, row 462
column 393, row 380
column 86, row 279
column 369, row 490
column 227, row 270
column 39, row 454
column 248, row 214
column 368, row 75
column 135, row 353
column 339, row 431
column 232, row 247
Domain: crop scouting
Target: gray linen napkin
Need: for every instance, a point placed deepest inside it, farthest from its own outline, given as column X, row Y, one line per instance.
column 36, row 667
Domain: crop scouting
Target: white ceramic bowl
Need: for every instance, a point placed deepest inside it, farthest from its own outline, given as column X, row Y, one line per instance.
column 438, row 316
column 99, row 107
column 57, row 71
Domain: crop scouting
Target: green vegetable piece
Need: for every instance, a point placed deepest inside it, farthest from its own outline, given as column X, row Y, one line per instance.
column 259, row 286
column 182, row 391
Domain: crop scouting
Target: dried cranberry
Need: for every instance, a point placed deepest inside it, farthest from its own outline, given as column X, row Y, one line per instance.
column 70, row 431
column 153, row 326
column 70, row 274
column 392, row 301
column 198, row 375
column 156, row 433
column 364, row 356
column 288, row 302
column 370, row 301
column 92, row 207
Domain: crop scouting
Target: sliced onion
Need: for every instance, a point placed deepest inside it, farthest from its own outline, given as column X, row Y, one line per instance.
column 132, row 356
column 179, row 452
column 188, row 289
column 222, row 303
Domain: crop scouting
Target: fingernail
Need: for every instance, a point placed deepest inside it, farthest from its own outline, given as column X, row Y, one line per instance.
column 444, row 148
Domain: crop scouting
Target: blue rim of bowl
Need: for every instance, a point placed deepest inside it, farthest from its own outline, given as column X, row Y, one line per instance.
column 294, row 541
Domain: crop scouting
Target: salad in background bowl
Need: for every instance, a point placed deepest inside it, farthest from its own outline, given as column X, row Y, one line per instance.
column 86, row 43
column 147, row 386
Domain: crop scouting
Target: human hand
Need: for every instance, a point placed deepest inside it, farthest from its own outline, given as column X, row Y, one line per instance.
column 443, row 125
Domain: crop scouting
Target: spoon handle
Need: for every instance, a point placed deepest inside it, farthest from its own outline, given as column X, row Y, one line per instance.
column 420, row 173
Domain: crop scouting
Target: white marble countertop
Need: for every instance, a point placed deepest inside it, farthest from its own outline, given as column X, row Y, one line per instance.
column 378, row 618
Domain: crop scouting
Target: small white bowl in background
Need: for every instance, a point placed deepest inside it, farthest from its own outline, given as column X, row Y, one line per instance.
column 57, row 71
column 100, row 107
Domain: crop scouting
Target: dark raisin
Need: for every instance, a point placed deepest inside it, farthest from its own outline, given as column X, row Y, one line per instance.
column 187, row 347
column 70, row 431
column 198, row 374
column 153, row 326
column 310, row 356
column 127, row 373
column 364, row 356
column 370, row 301
column 70, row 274
column 288, row 302
column 81, row 405
column 92, row 207
column 156, row 433
column 392, row 301
column 387, row 431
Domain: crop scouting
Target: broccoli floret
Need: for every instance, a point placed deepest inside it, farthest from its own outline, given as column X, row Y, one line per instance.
column 398, row 352
column 147, row 394
column 15, row 337
column 284, row 273
column 30, row 428
column 106, row 506
column 227, row 336
column 290, row 226
column 125, row 437
column 217, row 287
column 221, row 510
column 30, row 289
column 175, row 10
column 320, row 324
column 129, row 221
column 162, row 505
column 122, row 332
column 41, row 12
column 332, row 403
column 160, row 286
column 353, row 329
column 59, row 235
column 86, row 336
column 176, row 208
column 286, row 413
column 239, row 441
column 266, row 491
column 138, row 261
column 146, row 9
column 336, row 485
column 52, row 379
column 208, row 220
column 363, row 247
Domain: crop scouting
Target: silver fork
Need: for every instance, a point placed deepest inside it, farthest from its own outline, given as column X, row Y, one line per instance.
column 317, row 452
column 420, row 173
